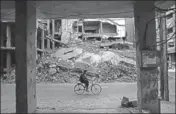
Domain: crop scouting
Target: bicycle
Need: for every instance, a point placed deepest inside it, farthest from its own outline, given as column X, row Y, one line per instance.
column 80, row 88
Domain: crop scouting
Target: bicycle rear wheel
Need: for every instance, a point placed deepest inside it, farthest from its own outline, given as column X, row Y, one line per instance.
column 79, row 89
column 96, row 89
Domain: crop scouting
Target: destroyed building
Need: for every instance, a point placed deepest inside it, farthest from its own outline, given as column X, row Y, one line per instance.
column 102, row 27
column 170, row 23
column 51, row 33
column 44, row 41
column 170, row 29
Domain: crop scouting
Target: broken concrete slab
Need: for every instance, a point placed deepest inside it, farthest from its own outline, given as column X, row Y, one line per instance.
column 114, row 65
column 126, row 103
column 68, row 53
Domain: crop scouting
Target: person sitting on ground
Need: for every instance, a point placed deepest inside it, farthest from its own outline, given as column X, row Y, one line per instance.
column 84, row 79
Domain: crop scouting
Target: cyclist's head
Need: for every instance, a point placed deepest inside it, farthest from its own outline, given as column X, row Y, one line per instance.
column 85, row 71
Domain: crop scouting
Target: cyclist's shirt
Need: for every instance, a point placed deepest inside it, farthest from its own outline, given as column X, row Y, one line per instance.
column 82, row 77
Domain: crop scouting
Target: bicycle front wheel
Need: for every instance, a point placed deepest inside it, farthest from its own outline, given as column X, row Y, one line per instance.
column 96, row 89
column 79, row 89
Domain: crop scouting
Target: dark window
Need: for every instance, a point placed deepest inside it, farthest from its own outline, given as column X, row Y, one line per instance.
column 80, row 28
column 51, row 26
column 75, row 23
column 51, row 45
column 169, row 30
column 170, row 44
column 45, row 43
column 13, row 35
column 39, row 32
column 13, row 61
column 39, row 42
column 90, row 31
column 4, row 59
column 45, row 33
column 3, row 33
column 57, row 37
column 169, row 15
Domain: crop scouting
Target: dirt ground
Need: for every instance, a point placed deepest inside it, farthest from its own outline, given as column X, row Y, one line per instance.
column 61, row 98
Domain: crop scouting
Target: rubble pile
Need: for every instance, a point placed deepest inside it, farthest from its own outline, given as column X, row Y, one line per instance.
column 123, row 72
column 112, row 65
column 59, row 71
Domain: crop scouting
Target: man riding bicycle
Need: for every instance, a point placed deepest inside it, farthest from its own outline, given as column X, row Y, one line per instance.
column 84, row 79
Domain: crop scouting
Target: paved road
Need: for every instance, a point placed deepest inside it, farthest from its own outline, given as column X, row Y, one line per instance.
column 61, row 98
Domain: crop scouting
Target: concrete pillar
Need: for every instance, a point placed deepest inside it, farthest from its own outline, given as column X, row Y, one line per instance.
column 48, row 41
column 77, row 26
column 8, row 33
column 101, row 27
column 83, row 28
column 48, row 26
column 53, row 26
column 8, row 60
column 170, row 61
column 147, row 84
column 53, row 44
column 36, row 38
column 48, row 44
column 53, row 29
column 25, row 56
column 163, row 65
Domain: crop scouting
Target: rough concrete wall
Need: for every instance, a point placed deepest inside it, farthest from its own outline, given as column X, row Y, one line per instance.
column 67, row 30
column 108, row 28
column 129, row 25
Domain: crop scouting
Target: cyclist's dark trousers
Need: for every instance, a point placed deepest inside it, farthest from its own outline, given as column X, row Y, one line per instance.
column 86, row 82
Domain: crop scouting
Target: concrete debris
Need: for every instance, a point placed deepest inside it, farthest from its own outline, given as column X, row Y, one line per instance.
column 117, row 45
column 126, row 103
column 64, row 65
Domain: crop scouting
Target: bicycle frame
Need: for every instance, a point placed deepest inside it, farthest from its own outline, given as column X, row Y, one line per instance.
column 91, row 84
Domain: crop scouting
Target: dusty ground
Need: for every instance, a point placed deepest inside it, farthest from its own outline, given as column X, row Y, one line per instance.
column 61, row 98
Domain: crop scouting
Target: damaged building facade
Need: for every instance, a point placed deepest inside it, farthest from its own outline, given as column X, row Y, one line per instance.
column 170, row 23
column 52, row 32
column 45, row 40
column 99, row 27
column 25, row 14
column 102, row 27
column 7, row 45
